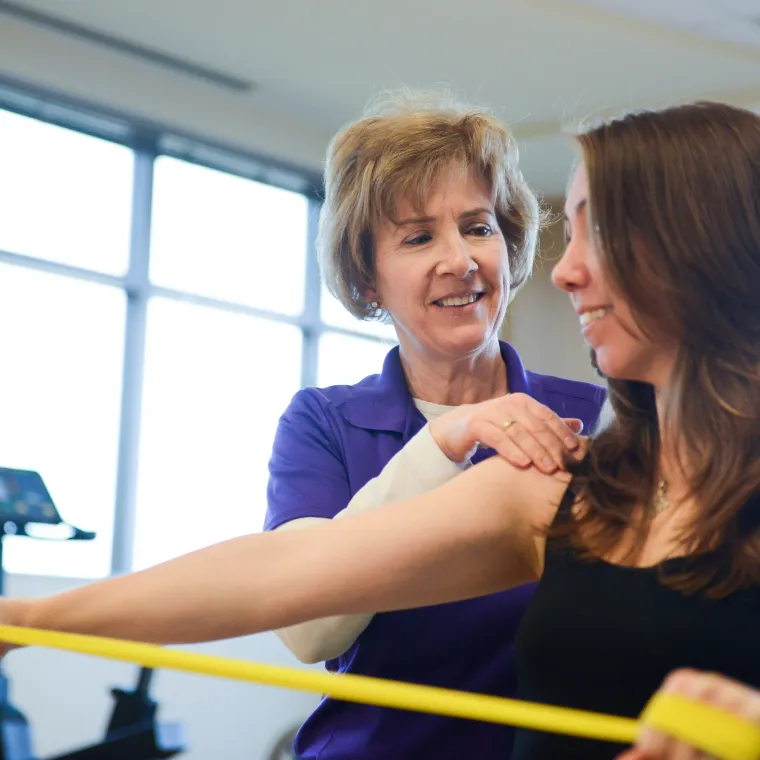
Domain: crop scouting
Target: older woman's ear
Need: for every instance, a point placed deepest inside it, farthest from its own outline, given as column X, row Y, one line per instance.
column 371, row 298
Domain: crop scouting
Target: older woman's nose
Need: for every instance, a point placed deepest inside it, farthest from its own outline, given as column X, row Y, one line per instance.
column 455, row 257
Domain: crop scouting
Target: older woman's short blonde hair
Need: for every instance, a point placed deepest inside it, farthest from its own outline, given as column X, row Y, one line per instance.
column 397, row 151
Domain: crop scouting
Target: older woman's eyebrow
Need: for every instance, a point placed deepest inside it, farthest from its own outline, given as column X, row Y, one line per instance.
column 414, row 220
column 427, row 219
column 476, row 212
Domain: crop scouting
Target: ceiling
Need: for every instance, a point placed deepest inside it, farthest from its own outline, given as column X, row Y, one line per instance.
column 541, row 64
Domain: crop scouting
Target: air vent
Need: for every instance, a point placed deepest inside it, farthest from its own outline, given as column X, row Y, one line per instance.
column 118, row 45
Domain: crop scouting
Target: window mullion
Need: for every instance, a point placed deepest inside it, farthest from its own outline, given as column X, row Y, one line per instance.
column 125, row 507
column 312, row 303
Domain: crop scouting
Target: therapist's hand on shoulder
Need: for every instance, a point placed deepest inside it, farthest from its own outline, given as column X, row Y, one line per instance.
column 516, row 426
column 708, row 688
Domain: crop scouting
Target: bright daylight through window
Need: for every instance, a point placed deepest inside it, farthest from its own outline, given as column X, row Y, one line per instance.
column 159, row 314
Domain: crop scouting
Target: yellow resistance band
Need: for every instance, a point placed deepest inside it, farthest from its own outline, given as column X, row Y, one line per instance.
column 716, row 732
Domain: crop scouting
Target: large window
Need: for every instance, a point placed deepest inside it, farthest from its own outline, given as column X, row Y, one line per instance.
column 60, row 392
column 228, row 238
column 161, row 306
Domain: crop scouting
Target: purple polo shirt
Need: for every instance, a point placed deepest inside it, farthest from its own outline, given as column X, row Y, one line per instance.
column 329, row 443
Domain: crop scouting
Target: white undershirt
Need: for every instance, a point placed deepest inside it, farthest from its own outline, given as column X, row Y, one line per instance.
column 418, row 468
column 431, row 411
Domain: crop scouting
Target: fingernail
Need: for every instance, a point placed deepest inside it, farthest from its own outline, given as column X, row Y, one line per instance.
column 571, row 442
column 550, row 464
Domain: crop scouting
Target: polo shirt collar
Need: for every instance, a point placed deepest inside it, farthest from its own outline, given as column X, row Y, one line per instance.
column 383, row 402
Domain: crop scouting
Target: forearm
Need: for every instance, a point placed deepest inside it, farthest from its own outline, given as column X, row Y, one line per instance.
column 470, row 537
column 219, row 592
column 418, row 468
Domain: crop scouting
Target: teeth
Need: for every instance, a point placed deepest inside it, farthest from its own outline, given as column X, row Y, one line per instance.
column 459, row 300
column 589, row 316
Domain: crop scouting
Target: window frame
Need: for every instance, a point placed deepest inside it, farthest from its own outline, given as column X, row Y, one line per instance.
column 149, row 140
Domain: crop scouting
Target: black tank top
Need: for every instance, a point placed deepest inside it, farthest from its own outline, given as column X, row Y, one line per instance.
column 603, row 637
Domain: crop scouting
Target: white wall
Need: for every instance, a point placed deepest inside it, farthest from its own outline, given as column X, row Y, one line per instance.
column 67, row 706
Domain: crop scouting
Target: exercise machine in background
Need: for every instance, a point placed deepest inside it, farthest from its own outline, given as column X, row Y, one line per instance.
column 133, row 732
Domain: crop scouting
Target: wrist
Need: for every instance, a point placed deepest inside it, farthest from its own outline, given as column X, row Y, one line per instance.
column 22, row 612
column 433, row 427
column 439, row 438
column 18, row 614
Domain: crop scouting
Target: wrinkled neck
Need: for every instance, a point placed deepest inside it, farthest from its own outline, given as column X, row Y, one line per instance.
column 469, row 380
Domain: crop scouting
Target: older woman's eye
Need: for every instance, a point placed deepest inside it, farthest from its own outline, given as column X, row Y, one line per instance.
column 419, row 239
column 481, row 230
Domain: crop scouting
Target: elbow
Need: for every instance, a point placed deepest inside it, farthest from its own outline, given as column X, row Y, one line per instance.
column 313, row 652
column 310, row 648
column 309, row 656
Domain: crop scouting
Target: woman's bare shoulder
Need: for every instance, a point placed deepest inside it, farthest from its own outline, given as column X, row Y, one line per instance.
column 518, row 491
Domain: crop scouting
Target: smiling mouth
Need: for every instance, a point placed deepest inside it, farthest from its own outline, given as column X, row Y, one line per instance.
column 458, row 301
column 589, row 317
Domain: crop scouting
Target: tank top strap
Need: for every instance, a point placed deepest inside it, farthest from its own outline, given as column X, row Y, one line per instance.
column 565, row 509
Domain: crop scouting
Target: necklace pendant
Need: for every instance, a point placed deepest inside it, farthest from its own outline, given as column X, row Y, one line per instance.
column 661, row 501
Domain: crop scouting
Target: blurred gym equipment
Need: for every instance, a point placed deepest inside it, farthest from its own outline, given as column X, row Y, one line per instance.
column 26, row 509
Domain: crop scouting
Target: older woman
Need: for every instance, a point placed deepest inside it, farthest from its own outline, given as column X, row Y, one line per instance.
column 427, row 223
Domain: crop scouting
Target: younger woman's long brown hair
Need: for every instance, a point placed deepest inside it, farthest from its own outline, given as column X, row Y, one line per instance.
column 674, row 199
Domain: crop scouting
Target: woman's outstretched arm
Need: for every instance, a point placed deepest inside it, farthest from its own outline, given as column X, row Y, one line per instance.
column 475, row 535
